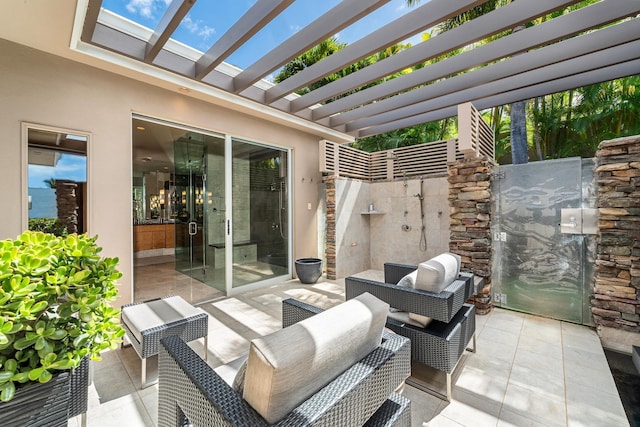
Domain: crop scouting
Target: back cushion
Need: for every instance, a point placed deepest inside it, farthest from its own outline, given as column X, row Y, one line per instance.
column 437, row 273
column 287, row 367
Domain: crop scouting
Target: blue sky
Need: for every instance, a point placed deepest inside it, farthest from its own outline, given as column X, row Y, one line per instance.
column 68, row 167
column 208, row 20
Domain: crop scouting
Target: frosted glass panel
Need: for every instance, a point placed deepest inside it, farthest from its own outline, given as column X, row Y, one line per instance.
column 539, row 269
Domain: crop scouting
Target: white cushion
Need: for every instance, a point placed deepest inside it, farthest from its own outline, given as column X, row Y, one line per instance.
column 437, row 273
column 144, row 316
column 233, row 372
column 287, row 367
column 408, row 281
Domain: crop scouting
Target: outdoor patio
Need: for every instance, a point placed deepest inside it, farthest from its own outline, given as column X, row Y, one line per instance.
column 527, row 370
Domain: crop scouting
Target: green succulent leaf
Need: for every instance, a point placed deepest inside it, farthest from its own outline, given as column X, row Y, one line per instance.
column 5, row 376
column 7, row 391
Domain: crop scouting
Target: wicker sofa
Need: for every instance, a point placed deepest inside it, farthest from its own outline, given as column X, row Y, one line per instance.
column 190, row 391
column 440, row 343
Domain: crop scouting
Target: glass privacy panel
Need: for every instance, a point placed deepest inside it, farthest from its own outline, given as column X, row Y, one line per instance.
column 537, row 268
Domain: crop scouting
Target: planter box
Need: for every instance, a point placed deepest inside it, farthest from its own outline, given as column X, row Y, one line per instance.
column 50, row 404
column 38, row 404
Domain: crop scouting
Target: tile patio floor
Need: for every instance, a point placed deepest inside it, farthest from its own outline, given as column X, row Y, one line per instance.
column 527, row 371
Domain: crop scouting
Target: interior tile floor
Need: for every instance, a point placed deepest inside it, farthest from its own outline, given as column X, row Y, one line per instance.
column 527, row 370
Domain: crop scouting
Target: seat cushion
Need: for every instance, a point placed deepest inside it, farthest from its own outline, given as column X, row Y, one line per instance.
column 437, row 273
column 152, row 314
column 287, row 367
column 410, row 318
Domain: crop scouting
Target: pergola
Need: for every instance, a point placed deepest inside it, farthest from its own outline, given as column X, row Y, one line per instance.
column 596, row 43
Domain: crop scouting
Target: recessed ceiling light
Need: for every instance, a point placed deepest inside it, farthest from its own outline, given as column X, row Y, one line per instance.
column 140, row 127
column 183, row 89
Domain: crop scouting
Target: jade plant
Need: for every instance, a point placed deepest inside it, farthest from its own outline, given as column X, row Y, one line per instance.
column 55, row 295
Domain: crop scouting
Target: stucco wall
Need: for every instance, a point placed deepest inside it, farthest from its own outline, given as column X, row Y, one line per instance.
column 41, row 88
column 367, row 241
column 389, row 242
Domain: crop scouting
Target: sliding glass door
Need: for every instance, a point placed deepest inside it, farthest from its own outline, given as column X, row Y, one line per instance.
column 211, row 213
column 260, row 205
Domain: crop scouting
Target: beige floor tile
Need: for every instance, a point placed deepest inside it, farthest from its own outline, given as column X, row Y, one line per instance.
column 423, row 405
column 470, row 409
column 509, row 321
column 539, row 381
column 591, row 406
column 513, row 419
column 541, row 346
column 540, row 407
column 586, row 376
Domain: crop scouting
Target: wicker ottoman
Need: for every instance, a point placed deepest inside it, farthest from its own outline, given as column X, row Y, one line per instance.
column 149, row 321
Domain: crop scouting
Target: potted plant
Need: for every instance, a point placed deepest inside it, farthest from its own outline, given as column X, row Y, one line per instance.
column 54, row 309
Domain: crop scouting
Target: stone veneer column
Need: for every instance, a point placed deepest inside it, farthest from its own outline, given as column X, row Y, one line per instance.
column 616, row 301
column 330, row 200
column 67, row 204
column 470, row 221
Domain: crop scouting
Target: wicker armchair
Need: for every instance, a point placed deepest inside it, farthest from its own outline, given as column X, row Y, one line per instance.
column 190, row 391
column 443, row 341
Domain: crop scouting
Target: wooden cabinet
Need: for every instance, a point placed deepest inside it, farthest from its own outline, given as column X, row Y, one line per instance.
column 153, row 236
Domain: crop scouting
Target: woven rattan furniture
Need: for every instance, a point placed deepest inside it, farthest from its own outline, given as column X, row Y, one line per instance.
column 79, row 381
column 191, row 392
column 147, row 322
column 443, row 341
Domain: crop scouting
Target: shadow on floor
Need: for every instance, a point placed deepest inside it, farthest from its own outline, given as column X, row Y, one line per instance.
column 627, row 381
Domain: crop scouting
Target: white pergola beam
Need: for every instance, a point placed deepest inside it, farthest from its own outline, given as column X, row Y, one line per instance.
column 521, row 41
column 402, row 28
column 497, row 74
column 570, row 80
column 172, row 17
column 504, row 18
column 259, row 15
column 339, row 17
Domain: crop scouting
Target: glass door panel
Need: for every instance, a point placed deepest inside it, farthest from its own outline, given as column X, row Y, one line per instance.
column 260, row 220
column 198, row 200
column 537, row 268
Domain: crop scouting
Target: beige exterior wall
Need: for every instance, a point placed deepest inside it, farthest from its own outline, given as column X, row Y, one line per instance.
column 45, row 89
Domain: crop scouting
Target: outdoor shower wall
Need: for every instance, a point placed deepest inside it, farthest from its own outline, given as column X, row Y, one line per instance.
column 396, row 234
column 359, row 239
column 616, row 302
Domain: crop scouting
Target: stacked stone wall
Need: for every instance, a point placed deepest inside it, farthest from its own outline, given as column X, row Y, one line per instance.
column 616, row 301
column 67, row 203
column 470, row 221
column 330, row 242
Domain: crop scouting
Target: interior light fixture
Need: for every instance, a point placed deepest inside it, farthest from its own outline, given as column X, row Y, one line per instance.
column 183, row 89
column 140, row 127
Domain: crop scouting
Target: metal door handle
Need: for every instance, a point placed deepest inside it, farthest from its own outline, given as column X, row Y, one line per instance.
column 193, row 228
column 571, row 224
